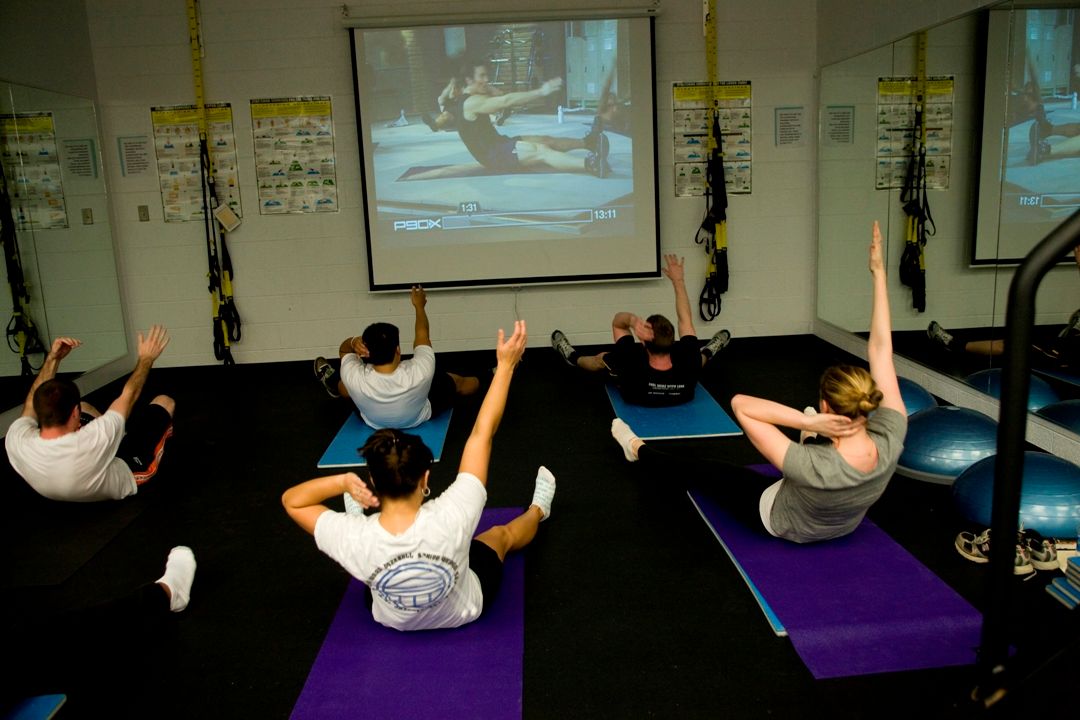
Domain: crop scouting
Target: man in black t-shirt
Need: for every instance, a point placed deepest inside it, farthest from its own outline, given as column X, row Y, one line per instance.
column 503, row 153
column 659, row 371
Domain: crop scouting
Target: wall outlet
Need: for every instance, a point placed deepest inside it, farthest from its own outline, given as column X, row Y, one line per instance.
column 87, row 216
column 144, row 213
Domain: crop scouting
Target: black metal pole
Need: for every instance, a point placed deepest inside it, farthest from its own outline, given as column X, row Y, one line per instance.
column 1009, row 465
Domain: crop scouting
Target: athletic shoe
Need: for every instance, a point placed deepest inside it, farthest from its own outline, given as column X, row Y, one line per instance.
column 1073, row 326
column 597, row 165
column 1042, row 551
column 597, row 142
column 563, row 347
column 323, row 372
column 976, row 548
column 718, row 342
column 429, row 121
column 939, row 335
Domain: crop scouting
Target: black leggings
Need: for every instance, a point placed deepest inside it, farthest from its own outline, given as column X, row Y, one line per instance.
column 736, row 489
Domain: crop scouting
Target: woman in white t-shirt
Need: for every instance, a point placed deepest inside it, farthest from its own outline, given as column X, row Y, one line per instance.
column 420, row 560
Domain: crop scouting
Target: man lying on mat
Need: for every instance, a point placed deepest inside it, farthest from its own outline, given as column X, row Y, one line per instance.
column 660, row 371
column 419, row 560
column 386, row 390
column 827, row 486
column 67, row 450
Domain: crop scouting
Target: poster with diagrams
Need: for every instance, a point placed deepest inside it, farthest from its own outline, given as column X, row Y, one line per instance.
column 294, row 155
column 32, row 168
column 896, row 131
column 692, row 105
column 176, row 144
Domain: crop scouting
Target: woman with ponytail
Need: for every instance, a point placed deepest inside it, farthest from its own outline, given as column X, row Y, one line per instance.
column 419, row 559
column 828, row 485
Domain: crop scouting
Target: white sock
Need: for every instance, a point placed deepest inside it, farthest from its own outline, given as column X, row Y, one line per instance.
column 625, row 437
column 544, row 492
column 179, row 574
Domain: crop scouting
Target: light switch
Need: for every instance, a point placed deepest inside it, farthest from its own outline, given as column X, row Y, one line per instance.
column 144, row 213
column 87, row 216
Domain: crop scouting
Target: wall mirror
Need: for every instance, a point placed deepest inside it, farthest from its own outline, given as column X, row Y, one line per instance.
column 59, row 270
column 1002, row 168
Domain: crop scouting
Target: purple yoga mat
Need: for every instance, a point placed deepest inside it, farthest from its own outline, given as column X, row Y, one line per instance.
column 366, row 670
column 855, row 605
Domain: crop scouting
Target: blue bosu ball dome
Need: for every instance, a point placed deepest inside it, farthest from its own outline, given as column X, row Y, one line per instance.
column 944, row 441
column 989, row 382
column 916, row 397
column 1049, row 498
column 1065, row 412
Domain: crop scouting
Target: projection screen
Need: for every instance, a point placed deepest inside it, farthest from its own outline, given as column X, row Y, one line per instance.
column 508, row 153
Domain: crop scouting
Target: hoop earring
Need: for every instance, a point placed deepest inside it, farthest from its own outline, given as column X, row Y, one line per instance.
column 426, row 491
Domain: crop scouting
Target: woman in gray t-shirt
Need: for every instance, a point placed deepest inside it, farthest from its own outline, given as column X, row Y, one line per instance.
column 827, row 486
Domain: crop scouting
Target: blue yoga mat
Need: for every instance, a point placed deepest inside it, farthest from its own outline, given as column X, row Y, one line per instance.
column 366, row 670
column 701, row 417
column 355, row 432
column 856, row 605
column 41, row 707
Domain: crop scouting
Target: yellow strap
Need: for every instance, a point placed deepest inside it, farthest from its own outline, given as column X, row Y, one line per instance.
column 195, row 38
column 920, row 74
column 712, row 74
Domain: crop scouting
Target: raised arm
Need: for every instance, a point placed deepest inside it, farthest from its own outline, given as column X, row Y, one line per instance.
column 477, row 453
column 879, row 347
column 762, row 419
column 60, row 348
column 674, row 272
column 491, row 104
column 422, row 336
column 305, row 502
column 150, row 349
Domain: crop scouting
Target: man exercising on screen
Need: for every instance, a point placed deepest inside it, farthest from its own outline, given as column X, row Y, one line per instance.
column 503, row 153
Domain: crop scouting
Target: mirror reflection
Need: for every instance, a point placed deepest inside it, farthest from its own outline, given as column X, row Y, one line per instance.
column 59, row 272
column 1002, row 167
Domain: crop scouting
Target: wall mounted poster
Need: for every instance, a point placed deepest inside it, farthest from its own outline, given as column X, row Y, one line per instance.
column 32, row 168
column 691, row 104
column 295, row 164
column 176, row 143
column 896, row 104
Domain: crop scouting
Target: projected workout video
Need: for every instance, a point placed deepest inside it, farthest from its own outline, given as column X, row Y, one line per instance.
column 478, row 136
column 1041, row 171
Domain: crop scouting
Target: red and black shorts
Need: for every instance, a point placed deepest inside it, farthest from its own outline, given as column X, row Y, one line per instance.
column 142, row 447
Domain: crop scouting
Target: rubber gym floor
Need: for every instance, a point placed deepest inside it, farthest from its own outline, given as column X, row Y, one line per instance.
column 632, row 610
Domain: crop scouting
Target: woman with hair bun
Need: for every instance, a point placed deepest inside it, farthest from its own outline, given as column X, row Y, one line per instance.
column 828, row 485
column 419, row 559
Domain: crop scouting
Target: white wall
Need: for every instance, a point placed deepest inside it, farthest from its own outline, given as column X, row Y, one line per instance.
column 46, row 45
column 850, row 27
column 301, row 280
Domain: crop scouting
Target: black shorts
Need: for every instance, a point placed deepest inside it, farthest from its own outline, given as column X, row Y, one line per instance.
column 485, row 564
column 442, row 392
column 501, row 156
column 142, row 447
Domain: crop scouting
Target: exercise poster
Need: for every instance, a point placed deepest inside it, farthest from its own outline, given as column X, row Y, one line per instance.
column 692, row 107
column 176, row 144
column 896, row 103
column 32, row 168
column 294, row 155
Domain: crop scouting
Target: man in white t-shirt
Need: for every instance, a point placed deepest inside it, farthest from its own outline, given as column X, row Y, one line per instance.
column 66, row 450
column 389, row 392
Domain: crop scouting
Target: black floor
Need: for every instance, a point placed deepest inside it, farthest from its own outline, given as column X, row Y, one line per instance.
column 633, row 610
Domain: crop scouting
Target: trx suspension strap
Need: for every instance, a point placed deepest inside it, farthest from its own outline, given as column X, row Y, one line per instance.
column 713, row 231
column 916, row 204
column 225, row 320
column 22, row 334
